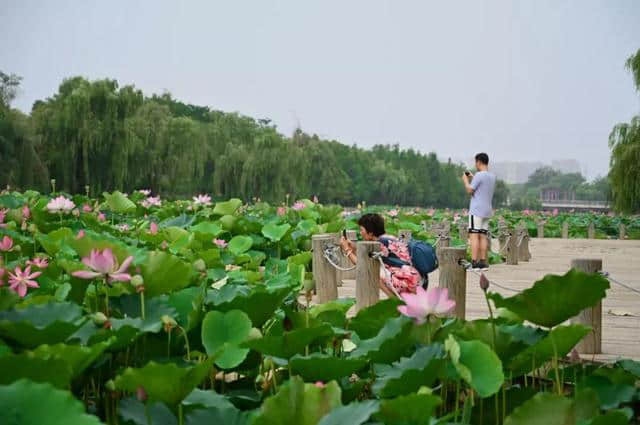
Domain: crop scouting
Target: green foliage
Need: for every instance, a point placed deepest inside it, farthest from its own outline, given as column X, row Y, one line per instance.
column 221, row 335
column 299, row 403
column 324, row 367
column 477, row 364
column 242, row 308
column 555, row 299
column 168, row 383
column 51, row 407
column 543, row 409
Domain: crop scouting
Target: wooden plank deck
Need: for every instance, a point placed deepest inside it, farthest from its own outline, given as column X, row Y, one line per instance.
column 621, row 307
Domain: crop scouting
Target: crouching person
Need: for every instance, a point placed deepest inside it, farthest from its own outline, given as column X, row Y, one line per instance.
column 398, row 275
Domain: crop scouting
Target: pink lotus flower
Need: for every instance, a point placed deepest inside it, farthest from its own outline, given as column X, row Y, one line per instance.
column 299, row 205
column 80, row 234
column 60, row 205
column 101, row 217
column 153, row 228
column 26, row 212
column 145, row 192
column 282, row 211
column 526, row 212
column 86, row 208
column 19, row 280
column 164, row 245
column 6, row 244
column 555, row 212
column 39, row 262
column 393, row 213
column 152, row 201
column 204, row 200
column 221, row 243
column 319, row 384
column 124, row 227
column 315, row 199
column 431, row 212
column 104, row 265
column 423, row 303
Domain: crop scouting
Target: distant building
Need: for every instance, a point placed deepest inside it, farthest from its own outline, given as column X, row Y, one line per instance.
column 552, row 194
column 566, row 166
column 514, row 172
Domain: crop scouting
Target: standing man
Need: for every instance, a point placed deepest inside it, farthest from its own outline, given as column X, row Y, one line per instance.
column 481, row 190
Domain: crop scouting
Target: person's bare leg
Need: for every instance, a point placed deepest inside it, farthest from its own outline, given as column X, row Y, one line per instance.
column 474, row 238
column 483, row 254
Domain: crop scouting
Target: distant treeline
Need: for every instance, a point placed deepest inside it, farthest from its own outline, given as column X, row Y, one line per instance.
column 108, row 137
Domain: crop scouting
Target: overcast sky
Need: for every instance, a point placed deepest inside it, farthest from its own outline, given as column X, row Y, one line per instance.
column 522, row 80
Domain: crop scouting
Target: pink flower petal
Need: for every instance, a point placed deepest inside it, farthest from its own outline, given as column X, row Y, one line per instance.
column 125, row 264
column 120, row 277
column 85, row 274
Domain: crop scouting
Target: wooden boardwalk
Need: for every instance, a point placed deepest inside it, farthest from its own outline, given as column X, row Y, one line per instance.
column 621, row 307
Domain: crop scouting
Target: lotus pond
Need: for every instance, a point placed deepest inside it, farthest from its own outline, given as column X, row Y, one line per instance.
column 135, row 310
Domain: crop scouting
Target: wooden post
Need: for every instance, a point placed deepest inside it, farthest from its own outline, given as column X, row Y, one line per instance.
column 454, row 277
column 565, row 230
column 404, row 234
column 540, row 225
column 523, row 244
column 623, row 231
column 367, row 275
column 512, row 249
column 463, row 231
column 591, row 230
column 444, row 240
column 324, row 274
column 351, row 274
column 592, row 316
column 503, row 235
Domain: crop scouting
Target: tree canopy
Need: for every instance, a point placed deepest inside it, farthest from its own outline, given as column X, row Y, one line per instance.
column 107, row 137
column 624, row 141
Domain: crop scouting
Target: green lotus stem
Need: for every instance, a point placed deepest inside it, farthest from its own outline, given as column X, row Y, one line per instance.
column 493, row 324
column 168, row 344
column 457, row 400
column 497, row 408
column 186, row 341
column 180, row 414
column 142, row 304
column 504, row 403
column 481, row 411
column 555, row 365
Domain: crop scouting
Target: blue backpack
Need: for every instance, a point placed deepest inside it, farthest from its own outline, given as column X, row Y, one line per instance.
column 423, row 257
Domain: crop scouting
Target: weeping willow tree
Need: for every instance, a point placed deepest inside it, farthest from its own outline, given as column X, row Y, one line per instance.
column 624, row 141
column 101, row 135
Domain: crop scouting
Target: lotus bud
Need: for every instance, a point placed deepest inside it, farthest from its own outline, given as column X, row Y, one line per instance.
column 484, row 282
column 99, row 318
column 425, row 390
column 169, row 323
column 254, row 333
column 137, row 281
column 319, row 384
column 86, row 189
column 141, row 394
column 53, row 185
column 199, row 265
column 110, row 385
